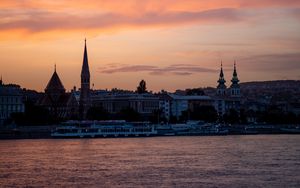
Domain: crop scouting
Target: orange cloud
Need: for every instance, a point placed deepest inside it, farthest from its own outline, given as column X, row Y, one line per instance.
column 145, row 5
column 104, row 15
column 177, row 69
column 35, row 21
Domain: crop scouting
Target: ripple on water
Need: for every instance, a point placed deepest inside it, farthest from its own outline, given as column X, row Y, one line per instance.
column 229, row 161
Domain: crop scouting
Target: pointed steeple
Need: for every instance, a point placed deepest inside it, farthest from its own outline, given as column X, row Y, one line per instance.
column 221, row 78
column 221, row 88
column 85, row 65
column 221, row 73
column 84, row 101
column 235, row 86
column 235, row 79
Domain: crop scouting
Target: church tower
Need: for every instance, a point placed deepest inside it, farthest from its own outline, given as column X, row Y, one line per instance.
column 221, row 88
column 235, row 87
column 85, row 85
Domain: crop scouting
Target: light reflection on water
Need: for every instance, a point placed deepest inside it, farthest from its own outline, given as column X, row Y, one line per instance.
column 230, row 161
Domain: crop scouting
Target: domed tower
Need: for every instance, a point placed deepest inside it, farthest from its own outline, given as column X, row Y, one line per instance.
column 235, row 86
column 85, row 85
column 221, row 88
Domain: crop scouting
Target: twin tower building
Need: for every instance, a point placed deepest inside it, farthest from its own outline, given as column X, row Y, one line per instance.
column 234, row 90
column 228, row 98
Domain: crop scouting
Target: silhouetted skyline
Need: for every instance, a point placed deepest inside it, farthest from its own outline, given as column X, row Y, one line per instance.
column 170, row 44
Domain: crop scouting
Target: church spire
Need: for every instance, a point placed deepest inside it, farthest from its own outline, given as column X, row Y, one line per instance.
column 221, row 73
column 221, row 86
column 221, row 80
column 235, row 87
column 85, row 65
column 235, row 79
column 85, row 85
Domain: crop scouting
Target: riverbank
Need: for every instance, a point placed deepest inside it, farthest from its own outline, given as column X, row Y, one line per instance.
column 44, row 132
column 28, row 132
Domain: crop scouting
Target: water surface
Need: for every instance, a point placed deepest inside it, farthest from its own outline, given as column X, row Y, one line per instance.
column 220, row 161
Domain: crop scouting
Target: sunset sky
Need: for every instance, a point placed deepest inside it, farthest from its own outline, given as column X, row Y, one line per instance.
column 172, row 44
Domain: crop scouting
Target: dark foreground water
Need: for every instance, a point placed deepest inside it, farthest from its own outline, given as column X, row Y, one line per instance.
column 225, row 161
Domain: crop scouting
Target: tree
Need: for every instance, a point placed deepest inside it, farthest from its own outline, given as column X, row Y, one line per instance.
column 129, row 114
column 184, row 116
column 33, row 115
column 157, row 116
column 98, row 113
column 195, row 91
column 173, row 119
column 205, row 113
column 232, row 117
column 243, row 116
column 275, row 115
column 142, row 87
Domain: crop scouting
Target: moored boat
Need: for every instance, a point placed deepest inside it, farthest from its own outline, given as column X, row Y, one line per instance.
column 191, row 128
column 290, row 130
column 87, row 129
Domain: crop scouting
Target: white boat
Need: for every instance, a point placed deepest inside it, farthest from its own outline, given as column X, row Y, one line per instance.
column 191, row 128
column 291, row 130
column 87, row 129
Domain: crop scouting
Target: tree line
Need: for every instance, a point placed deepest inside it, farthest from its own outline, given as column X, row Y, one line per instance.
column 37, row 115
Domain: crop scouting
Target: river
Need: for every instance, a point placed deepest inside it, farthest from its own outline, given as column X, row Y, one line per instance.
column 197, row 161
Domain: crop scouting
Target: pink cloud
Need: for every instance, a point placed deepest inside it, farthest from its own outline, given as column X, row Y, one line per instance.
column 36, row 21
column 177, row 69
column 44, row 16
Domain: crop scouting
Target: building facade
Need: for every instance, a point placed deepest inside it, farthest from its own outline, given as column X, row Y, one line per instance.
column 144, row 104
column 172, row 105
column 11, row 101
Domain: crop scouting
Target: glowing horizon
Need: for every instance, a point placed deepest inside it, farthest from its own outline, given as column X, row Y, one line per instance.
column 171, row 44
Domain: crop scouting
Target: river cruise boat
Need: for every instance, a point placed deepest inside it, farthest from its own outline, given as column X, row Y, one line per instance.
column 191, row 128
column 92, row 129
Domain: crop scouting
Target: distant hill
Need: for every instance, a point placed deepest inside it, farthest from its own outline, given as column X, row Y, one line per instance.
column 272, row 85
column 263, row 87
column 279, row 90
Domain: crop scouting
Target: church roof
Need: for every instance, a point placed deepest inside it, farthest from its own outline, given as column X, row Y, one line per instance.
column 55, row 84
